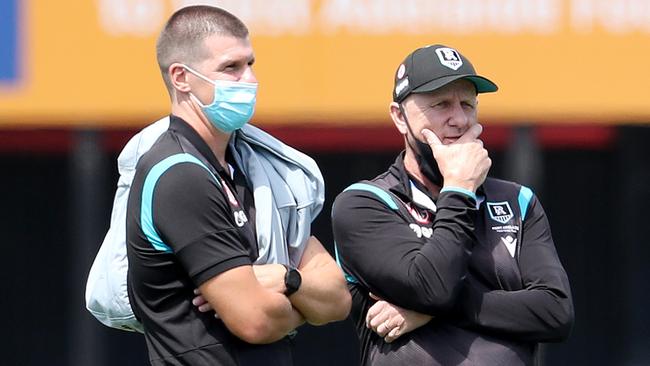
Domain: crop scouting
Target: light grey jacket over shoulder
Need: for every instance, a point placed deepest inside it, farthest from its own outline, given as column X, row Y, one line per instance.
column 288, row 190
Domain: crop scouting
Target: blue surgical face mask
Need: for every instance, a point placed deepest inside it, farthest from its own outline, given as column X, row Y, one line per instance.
column 233, row 104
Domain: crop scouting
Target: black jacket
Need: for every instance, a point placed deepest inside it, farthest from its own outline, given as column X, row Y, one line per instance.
column 490, row 275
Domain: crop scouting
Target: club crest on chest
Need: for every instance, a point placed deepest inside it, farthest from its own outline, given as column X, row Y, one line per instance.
column 500, row 211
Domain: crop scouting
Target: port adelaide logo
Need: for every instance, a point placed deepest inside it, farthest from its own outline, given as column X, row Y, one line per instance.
column 500, row 211
column 449, row 57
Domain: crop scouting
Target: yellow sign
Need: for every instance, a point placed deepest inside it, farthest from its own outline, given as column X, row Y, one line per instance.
column 80, row 62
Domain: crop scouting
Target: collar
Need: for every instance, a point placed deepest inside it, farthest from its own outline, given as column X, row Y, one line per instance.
column 411, row 189
column 179, row 126
column 402, row 188
column 406, row 186
column 422, row 199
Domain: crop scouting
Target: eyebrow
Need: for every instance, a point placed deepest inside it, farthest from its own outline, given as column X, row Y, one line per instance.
column 229, row 60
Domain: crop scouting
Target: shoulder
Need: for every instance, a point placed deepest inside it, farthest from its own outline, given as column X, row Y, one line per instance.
column 141, row 143
column 378, row 186
column 504, row 188
column 166, row 145
column 362, row 198
column 171, row 173
column 493, row 184
column 499, row 190
column 184, row 169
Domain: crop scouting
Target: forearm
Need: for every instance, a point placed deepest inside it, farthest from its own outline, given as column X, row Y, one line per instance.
column 323, row 296
column 542, row 310
column 278, row 319
column 539, row 315
column 422, row 273
column 250, row 311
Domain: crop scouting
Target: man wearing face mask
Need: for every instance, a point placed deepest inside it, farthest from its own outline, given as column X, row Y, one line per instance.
column 446, row 266
column 191, row 215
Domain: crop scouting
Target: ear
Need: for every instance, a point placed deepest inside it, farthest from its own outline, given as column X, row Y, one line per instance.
column 398, row 118
column 178, row 77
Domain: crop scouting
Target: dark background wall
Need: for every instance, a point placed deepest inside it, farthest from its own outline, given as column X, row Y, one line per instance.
column 57, row 196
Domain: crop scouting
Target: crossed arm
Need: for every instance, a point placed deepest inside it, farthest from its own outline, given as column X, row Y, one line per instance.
column 251, row 301
column 323, row 296
column 250, row 311
column 541, row 312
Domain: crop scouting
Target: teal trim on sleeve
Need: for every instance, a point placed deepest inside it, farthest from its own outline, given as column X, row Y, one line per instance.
column 525, row 195
column 460, row 190
column 348, row 278
column 146, row 208
column 377, row 191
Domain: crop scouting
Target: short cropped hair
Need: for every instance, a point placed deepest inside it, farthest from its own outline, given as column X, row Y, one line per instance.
column 181, row 40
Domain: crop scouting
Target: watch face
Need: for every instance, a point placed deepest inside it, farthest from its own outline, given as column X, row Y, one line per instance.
column 292, row 280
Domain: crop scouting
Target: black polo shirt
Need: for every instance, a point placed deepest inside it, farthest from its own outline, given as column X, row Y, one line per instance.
column 486, row 271
column 187, row 222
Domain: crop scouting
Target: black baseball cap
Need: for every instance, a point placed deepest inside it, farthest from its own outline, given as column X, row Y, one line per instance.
column 429, row 68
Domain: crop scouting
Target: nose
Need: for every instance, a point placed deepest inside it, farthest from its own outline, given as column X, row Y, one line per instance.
column 248, row 75
column 460, row 117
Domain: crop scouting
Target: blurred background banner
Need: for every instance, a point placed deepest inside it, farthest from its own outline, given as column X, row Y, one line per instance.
column 571, row 120
column 81, row 62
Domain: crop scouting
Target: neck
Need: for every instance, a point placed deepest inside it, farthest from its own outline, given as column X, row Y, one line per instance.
column 412, row 167
column 216, row 140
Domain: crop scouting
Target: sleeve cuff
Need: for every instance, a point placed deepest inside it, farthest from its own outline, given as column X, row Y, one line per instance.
column 459, row 190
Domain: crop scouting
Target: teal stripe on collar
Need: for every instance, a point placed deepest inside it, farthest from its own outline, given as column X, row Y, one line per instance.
column 375, row 190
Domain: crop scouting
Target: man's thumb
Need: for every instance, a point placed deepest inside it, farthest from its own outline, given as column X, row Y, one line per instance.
column 432, row 138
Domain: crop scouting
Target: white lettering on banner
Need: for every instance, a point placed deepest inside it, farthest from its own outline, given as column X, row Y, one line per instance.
column 265, row 17
column 455, row 17
column 143, row 18
column 621, row 16
column 131, row 17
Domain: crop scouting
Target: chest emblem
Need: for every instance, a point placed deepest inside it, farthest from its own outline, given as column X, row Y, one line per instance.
column 420, row 217
column 511, row 244
column 500, row 211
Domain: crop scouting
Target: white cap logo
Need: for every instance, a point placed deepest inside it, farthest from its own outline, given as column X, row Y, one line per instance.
column 449, row 57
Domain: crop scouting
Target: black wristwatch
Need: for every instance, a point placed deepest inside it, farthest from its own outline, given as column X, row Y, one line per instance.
column 292, row 280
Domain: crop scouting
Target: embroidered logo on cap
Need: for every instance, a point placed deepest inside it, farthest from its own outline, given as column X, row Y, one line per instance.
column 449, row 57
column 401, row 86
column 500, row 211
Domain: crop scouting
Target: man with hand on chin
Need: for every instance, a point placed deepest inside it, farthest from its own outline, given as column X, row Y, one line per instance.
column 446, row 266
column 191, row 217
